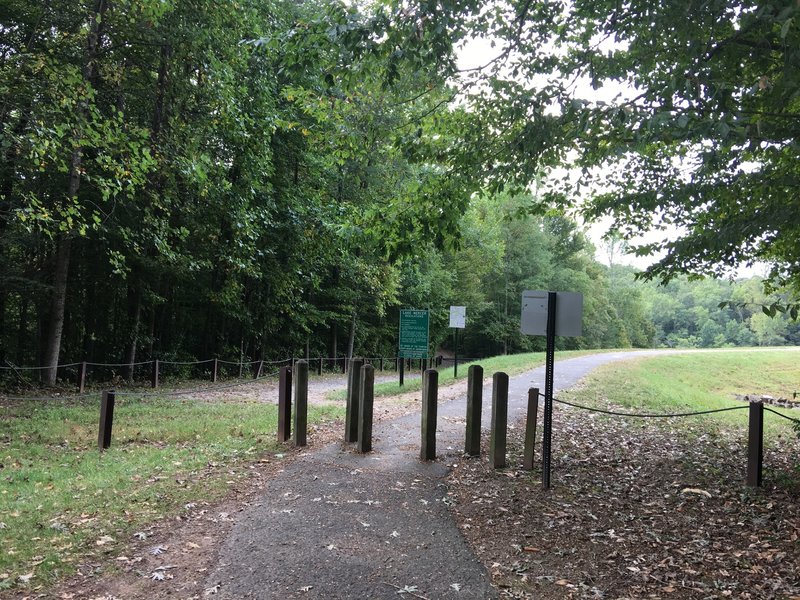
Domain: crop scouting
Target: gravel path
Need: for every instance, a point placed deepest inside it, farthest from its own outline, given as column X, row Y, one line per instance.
column 338, row 524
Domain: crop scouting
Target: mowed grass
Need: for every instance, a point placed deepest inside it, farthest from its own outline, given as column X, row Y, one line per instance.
column 698, row 381
column 62, row 501
column 512, row 364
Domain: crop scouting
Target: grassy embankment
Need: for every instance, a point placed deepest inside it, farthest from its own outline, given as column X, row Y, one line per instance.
column 62, row 501
column 698, row 381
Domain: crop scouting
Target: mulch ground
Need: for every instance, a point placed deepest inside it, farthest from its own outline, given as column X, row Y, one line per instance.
column 637, row 509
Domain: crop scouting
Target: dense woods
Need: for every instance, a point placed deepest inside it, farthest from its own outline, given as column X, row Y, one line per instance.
column 263, row 178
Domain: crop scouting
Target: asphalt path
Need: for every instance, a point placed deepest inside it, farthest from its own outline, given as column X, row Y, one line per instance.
column 336, row 524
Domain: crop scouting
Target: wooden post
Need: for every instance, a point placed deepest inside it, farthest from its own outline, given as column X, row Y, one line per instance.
column 319, row 366
column 154, row 375
column 755, row 445
column 380, row 364
column 530, row 428
column 344, row 366
column 215, row 371
column 430, row 385
column 497, row 441
column 284, row 403
column 366, row 393
column 472, row 445
column 402, row 370
column 106, row 420
column 300, row 402
column 351, row 414
column 82, row 377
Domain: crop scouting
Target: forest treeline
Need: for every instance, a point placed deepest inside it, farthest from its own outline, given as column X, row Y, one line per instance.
column 184, row 180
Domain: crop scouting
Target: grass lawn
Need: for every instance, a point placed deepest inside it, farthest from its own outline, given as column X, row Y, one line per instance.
column 61, row 500
column 698, row 381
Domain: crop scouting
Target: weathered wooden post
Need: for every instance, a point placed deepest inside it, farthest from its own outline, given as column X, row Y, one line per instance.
column 497, row 441
column 530, row 428
column 258, row 369
column 284, row 403
column 755, row 444
column 154, row 375
column 430, row 384
column 344, row 366
column 472, row 445
column 319, row 366
column 366, row 394
column 82, row 377
column 402, row 370
column 300, row 402
column 106, row 419
column 380, row 364
column 351, row 414
column 215, row 371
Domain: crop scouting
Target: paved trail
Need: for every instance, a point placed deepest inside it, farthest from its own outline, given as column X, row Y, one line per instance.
column 336, row 524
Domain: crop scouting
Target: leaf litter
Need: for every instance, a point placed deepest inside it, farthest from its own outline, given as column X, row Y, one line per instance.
column 636, row 509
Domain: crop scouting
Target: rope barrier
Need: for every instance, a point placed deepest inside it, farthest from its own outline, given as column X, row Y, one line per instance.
column 196, row 390
column 788, row 418
column 648, row 415
column 192, row 362
column 6, row 368
column 46, row 398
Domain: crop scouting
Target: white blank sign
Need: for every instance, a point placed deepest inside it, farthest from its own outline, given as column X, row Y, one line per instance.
column 458, row 316
column 569, row 313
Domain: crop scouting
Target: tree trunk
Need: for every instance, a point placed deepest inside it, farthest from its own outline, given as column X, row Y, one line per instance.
column 57, row 305
column 64, row 243
column 335, row 337
column 352, row 339
column 135, row 312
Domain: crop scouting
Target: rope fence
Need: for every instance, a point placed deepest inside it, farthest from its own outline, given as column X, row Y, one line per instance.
column 649, row 415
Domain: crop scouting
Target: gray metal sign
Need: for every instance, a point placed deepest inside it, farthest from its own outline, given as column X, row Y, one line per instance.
column 458, row 317
column 569, row 313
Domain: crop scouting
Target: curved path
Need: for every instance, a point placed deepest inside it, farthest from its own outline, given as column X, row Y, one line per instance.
column 336, row 524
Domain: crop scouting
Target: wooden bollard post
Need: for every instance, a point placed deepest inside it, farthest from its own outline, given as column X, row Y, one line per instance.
column 284, row 403
column 351, row 414
column 530, row 428
column 430, row 392
column 215, row 371
column 82, row 377
column 497, row 441
column 106, row 419
column 300, row 402
column 154, row 375
column 366, row 394
column 755, row 444
column 472, row 445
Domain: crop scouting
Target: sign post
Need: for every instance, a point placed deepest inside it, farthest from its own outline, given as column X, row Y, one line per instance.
column 550, row 314
column 458, row 320
column 413, row 334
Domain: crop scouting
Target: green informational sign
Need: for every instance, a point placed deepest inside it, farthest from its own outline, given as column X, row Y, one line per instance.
column 413, row 333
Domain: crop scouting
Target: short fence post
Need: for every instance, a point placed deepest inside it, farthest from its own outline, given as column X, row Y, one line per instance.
column 402, row 370
column 366, row 392
column 472, row 445
column 344, row 366
column 430, row 383
column 319, row 366
column 530, row 428
column 215, row 371
column 300, row 402
column 755, row 444
column 351, row 414
column 380, row 364
column 82, row 377
column 257, row 370
column 154, row 375
column 284, row 403
column 106, row 419
column 497, row 441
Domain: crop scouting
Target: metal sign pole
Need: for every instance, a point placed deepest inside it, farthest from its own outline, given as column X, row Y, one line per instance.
column 548, row 388
column 455, row 352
